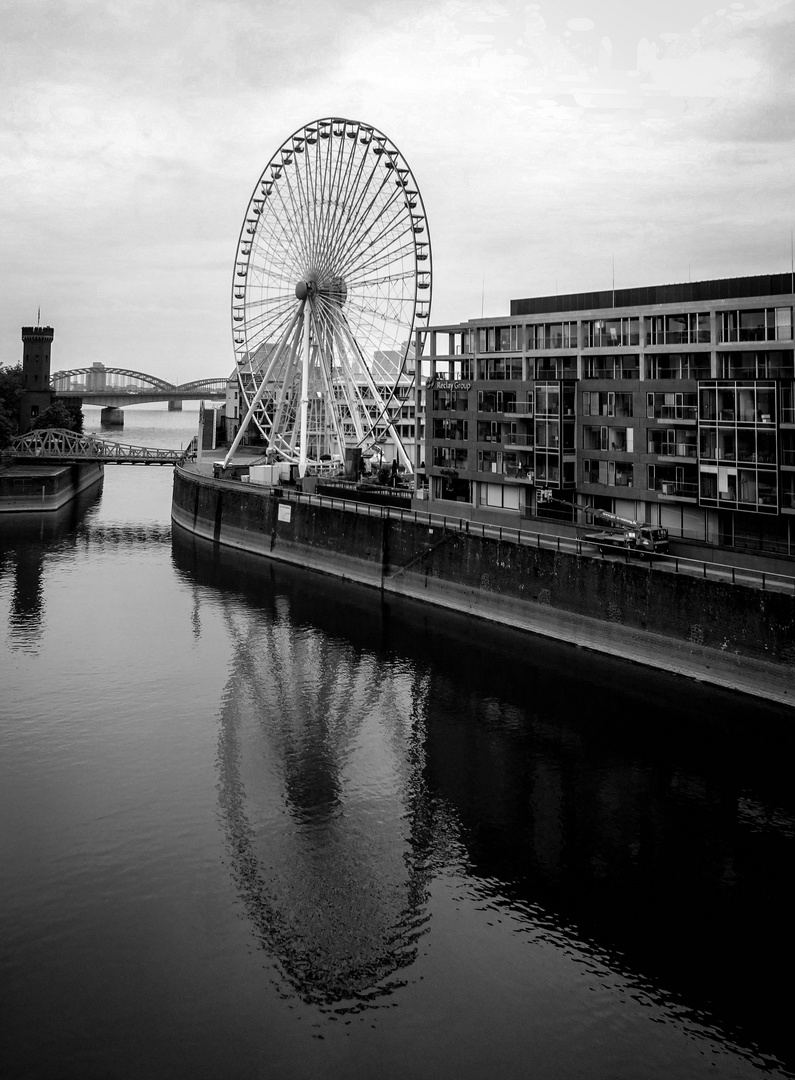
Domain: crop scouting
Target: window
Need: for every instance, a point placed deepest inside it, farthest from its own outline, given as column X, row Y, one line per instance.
column 772, row 364
column 547, row 399
column 493, row 400
column 547, row 433
column 606, row 403
column 678, row 366
column 450, row 429
column 674, row 405
column 611, row 367
column 759, row 324
column 604, row 333
column 561, row 335
column 501, row 496
column 591, row 438
column 449, row 457
column 678, row 329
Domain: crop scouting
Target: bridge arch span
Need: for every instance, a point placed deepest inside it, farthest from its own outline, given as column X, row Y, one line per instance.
column 94, row 379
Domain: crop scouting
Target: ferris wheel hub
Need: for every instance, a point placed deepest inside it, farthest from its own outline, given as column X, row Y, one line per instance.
column 305, row 288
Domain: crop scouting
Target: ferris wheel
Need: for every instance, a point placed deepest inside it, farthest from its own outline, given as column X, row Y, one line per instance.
column 332, row 275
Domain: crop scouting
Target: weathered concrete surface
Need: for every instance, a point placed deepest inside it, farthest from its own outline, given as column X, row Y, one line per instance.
column 31, row 487
column 730, row 635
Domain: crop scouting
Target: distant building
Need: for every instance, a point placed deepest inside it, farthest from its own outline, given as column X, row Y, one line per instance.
column 36, row 392
column 673, row 405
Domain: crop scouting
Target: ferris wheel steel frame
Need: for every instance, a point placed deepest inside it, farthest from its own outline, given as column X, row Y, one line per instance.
column 333, row 272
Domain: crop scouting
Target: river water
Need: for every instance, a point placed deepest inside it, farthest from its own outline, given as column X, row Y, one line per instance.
column 258, row 823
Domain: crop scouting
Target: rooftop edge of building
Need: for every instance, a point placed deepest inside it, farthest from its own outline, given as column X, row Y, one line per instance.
column 684, row 292
column 37, row 331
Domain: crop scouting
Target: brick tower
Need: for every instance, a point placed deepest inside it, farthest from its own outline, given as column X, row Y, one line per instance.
column 36, row 393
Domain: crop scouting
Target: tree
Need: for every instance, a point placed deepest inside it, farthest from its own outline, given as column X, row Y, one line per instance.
column 10, row 393
column 59, row 415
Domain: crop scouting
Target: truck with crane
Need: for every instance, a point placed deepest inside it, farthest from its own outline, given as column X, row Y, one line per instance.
column 624, row 534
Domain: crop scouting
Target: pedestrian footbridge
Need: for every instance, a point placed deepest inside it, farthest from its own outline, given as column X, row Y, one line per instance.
column 57, row 444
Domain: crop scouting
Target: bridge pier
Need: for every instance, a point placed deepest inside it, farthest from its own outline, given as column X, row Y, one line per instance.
column 112, row 417
column 175, row 405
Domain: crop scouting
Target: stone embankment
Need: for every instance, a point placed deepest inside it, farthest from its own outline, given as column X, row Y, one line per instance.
column 728, row 634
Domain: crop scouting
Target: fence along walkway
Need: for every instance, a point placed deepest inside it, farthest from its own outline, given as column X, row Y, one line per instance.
column 57, row 444
column 670, row 564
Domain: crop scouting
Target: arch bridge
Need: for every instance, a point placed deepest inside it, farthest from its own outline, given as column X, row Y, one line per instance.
column 116, row 387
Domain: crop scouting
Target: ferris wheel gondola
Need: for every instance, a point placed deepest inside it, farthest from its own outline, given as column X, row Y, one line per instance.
column 332, row 275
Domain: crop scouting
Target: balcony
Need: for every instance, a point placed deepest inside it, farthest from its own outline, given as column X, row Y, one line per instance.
column 687, row 414
column 674, row 450
column 516, row 441
column 519, row 409
column 671, row 489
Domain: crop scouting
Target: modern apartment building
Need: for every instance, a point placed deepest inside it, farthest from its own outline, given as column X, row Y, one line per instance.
column 673, row 405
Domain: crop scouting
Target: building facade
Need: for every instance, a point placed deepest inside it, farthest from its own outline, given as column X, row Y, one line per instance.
column 673, row 405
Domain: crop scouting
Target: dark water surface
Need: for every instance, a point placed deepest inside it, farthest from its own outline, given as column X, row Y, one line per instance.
column 258, row 823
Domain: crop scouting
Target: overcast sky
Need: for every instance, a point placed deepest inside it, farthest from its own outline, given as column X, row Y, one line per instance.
column 550, row 141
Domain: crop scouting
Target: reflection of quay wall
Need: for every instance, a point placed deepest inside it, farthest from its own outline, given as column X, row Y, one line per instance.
column 45, row 487
column 730, row 635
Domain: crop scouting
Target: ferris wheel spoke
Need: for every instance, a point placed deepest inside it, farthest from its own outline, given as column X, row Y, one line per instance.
column 268, row 320
column 367, row 276
column 374, row 240
column 300, row 232
column 332, row 187
column 369, row 219
column 352, row 203
column 288, row 237
column 375, row 184
column 389, row 264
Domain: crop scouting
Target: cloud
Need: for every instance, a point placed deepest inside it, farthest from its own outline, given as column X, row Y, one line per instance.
column 541, row 134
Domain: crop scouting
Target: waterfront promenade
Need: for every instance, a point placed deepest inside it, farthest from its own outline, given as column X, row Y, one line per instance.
column 627, row 596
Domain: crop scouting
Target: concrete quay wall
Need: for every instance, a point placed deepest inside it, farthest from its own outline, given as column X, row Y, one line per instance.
column 30, row 487
column 731, row 635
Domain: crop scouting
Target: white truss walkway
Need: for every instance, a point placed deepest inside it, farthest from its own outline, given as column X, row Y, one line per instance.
column 57, row 444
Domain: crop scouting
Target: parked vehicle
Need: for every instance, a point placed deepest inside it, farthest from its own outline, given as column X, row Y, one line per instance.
column 626, row 535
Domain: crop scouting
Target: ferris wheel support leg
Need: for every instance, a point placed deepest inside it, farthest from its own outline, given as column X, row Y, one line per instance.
column 263, row 384
column 338, row 432
column 304, row 394
column 405, row 460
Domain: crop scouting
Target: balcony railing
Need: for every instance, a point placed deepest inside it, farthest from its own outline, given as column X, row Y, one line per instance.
column 688, row 413
column 678, row 450
column 679, row 490
column 518, row 408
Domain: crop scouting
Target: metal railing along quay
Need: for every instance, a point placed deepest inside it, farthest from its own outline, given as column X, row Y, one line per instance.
column 670, row 564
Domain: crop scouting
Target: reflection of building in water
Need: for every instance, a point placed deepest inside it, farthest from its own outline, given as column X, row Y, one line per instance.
column 323, row 800
column 27, row 542
column 25, row 618
column 659, row 843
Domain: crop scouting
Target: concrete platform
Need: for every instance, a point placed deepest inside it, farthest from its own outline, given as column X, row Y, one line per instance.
column 28, row 487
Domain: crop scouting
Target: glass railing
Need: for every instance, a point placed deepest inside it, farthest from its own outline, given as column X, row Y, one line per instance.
column 681, row 450
column 676, row 412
